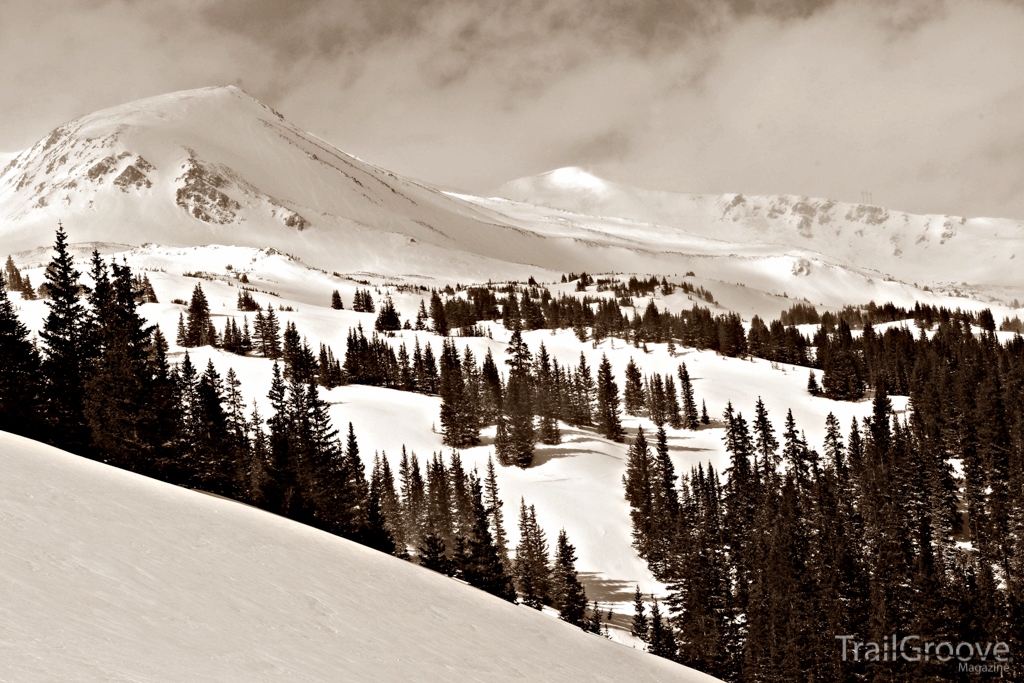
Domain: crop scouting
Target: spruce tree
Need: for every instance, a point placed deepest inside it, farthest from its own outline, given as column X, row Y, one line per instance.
column 66, row 357
column 690, row 416
column 495, row 517
column 639, row 626
column 20, row 381
column 118, row 402
column 633, row 394
column 437, row 314
column 532, row 571
column 660, row 639
column 199, row 330
column 517, row 406
column 387, row 318
column 608, row 402
column 567, row 594
column 336, row 302
column 482, row 564
column 546, row 399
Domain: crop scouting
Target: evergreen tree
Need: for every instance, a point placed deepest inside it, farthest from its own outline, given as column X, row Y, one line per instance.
column 387, row 318
column 689, row 406
column 633, row 395
column 12, row 276
column 458, row 418
column 812, row 385
column 66, row 357
column 672, row 408
column 660, row 639
column 20, row 382
column 199, row 330
column 546, row 399
column 567, row 594
column 118, row 395
column 437, row 314
column 532, row 571
column 608, row 402
column 482, row 564
column 519, row 437
column 639, row 626
column 336, row 302
column 495, row 517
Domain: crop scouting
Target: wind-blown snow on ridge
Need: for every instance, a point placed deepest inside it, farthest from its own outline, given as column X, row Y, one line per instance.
column 106, row 575
column 925, row 248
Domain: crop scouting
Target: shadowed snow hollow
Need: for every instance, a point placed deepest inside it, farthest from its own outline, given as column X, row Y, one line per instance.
column 106, row 575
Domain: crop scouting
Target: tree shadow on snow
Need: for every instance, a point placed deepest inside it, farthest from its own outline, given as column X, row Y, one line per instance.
column 606, row 590
column 544, row 454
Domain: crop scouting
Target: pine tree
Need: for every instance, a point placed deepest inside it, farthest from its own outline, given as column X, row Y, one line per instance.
column 353, row 503
column 633, row 395
column 199, row 330
column 421, row 317
column 812, row 385
column 704, row 419
column 437, row 314
column 336, row 302
column 20, row 381
column 672, row 408
column 608, row 402
column 546, row 399
column 458, row 420
column 495, row 517
column 567, row 594
column 639, row 627
column 532, row 571
column 118, row 400
column 689, row 406
column 640, row 481
column 387, row 318
column 660, row 639
column 516, row 446
column 583, row 403
column 482, row 564
column 65, row 354
column 12, row 276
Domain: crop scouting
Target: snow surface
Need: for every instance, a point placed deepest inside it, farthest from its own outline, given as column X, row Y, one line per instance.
column 110, row 576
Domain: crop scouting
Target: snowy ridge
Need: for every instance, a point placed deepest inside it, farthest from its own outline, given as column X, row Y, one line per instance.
column 923, row 248
column 106, row 575
column 215, row 166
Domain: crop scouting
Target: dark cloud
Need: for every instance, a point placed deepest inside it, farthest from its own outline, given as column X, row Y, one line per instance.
column 911, row 99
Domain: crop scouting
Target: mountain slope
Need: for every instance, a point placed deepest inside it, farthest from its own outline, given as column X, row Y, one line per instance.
column 105, row 575
column 215, row 166
column 929, row 248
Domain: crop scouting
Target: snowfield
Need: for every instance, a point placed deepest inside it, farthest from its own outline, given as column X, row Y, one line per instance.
column 109, row 576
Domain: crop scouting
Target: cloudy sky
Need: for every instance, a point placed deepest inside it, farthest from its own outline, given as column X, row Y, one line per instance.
column 920, row 102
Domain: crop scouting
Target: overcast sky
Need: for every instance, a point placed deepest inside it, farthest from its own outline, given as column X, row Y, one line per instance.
column 920, row 102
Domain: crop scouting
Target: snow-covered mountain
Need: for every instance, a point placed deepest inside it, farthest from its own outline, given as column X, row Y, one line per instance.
column 215, row 166
column 921, row 248
column 112, row 576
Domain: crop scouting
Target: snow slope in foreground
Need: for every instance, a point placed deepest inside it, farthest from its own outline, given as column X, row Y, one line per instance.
column 106, row 575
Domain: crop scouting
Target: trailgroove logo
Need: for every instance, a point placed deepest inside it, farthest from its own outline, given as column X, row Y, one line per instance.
column 972, row 657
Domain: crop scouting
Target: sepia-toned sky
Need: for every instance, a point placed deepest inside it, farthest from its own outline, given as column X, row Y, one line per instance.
column 920, row 102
